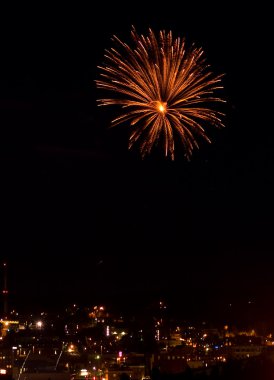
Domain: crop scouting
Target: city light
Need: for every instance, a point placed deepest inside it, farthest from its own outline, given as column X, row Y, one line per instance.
column 39, row 324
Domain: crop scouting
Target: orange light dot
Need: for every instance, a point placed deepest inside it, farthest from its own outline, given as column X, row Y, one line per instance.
column 161, row 107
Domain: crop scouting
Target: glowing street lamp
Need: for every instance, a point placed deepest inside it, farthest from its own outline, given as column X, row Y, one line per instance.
column 39, row 325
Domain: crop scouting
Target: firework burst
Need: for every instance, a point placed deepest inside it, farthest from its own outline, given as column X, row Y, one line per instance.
column 166, row 91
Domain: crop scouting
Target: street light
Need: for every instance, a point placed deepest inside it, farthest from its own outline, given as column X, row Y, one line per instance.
column 39, row 325
column 12, row 360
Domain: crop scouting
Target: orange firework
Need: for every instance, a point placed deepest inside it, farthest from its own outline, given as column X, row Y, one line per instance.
column 165, row 90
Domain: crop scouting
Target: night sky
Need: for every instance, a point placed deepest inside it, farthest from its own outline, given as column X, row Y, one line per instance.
column 84, row 219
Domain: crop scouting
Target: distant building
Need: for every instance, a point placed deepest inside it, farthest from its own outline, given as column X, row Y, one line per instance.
column 133, row 372
column 243, row 352
column 6, row 326
column 169, row 362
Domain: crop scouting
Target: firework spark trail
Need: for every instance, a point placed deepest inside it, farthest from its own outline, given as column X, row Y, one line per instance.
column 164, row 89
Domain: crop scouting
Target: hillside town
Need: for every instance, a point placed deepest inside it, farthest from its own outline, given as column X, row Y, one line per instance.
column 96, row 343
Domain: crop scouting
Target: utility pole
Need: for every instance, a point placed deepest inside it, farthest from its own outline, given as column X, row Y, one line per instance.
column 5, row 291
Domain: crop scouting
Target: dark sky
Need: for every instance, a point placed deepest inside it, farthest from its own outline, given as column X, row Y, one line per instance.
column 83, row 217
